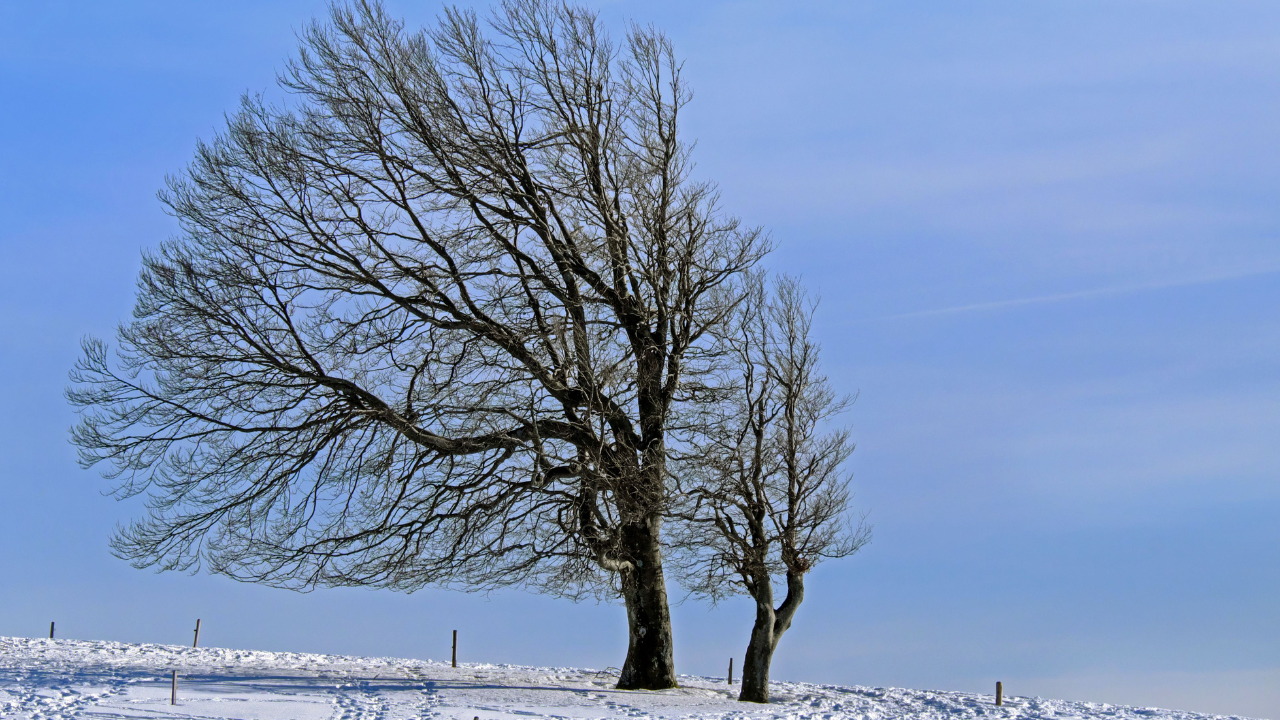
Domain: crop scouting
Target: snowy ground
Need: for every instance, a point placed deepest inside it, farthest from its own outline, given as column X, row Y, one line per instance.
column 78, row 679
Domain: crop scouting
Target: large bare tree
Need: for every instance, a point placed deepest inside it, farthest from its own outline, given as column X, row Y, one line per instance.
column 764, row 494
column 430, row 319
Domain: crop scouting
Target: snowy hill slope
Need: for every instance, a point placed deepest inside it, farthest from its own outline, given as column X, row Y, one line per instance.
column 78, row 679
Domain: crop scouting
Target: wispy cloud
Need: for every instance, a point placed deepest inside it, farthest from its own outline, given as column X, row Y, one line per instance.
column 1269, row 269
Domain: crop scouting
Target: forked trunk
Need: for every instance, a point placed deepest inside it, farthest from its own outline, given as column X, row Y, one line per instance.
column 650, row 664
column 765, row 633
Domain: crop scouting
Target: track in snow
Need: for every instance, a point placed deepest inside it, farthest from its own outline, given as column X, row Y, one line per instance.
column 46, row 679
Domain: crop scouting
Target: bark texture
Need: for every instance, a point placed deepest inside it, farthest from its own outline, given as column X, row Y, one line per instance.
column 770, row 625
column 650, row 662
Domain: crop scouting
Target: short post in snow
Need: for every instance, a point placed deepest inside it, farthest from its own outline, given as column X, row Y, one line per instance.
column 196, row 642
column 730, row 671
column 999, row 693
column 50, row 630
column 455, row 648
column 173, row 690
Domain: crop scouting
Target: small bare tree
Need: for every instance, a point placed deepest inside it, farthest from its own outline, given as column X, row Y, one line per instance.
column 765, row 498
column 428, row 322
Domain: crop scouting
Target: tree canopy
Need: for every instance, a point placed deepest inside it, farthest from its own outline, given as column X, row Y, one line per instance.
column 439, row 316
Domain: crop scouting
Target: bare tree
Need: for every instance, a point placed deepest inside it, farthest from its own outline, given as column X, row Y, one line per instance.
column 765, row 497
column 427, row 322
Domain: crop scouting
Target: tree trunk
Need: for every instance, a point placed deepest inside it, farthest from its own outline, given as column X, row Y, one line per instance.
column 755, row 666
column 768, row 630
column 650, row 664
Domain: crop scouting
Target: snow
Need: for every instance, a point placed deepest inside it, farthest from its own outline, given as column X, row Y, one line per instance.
column 82, row 679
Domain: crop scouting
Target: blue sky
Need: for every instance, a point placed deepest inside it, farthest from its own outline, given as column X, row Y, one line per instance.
column 1045, row 235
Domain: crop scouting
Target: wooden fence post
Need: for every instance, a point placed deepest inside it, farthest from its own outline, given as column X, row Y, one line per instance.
column 730, row 671
column 51, row 631
column 173, row 690
column 455, row 648
column 196, row 642
column 999, row 693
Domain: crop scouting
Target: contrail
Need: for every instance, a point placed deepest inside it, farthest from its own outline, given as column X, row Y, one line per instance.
column 1078, row 295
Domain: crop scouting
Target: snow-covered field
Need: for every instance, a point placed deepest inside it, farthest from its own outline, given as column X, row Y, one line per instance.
column 79, row 679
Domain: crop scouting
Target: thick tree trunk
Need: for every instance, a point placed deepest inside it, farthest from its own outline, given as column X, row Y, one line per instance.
column 755, row 666
column 650, row 663
column 768, row 630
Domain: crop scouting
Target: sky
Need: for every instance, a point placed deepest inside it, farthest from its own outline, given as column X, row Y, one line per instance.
column 1045, row 238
